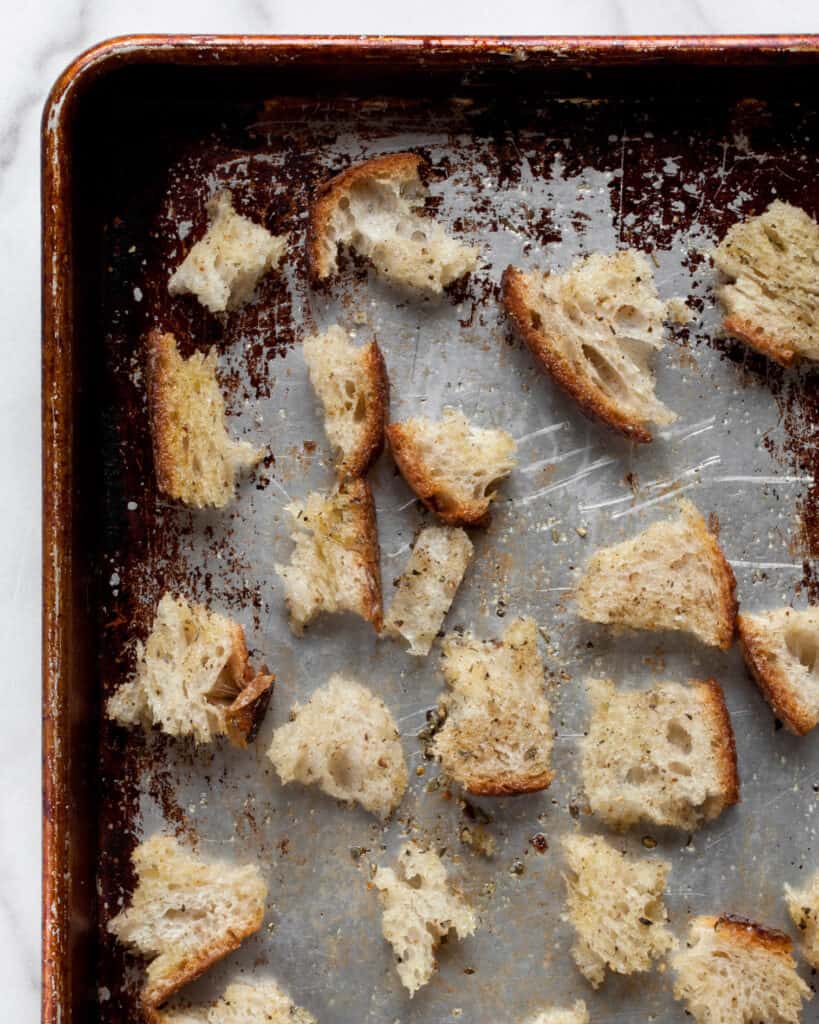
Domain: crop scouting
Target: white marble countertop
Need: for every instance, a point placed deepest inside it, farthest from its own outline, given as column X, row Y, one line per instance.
column 39, row 38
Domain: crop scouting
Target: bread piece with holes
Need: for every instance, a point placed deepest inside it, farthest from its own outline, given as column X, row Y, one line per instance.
column 195, row 459
column 335, row 564
column 223, row 268
column 781, row 650
column 186, row 914
column 419, row 908
column 803, row 905
column 454, row 467
column 770, row 296
column 594, row 329
column 664, row 755
column 672, row 576
column 615, row 905
column 351, row 383
column 374, row 208
column 734, row 971
column 258, row 1002
column 345, row 741
column 578, row 1014
column 193, row 678
column 427, row 587
column 497, row 738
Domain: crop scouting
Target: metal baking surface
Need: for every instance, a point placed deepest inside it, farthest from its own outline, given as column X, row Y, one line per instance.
column 560, row 175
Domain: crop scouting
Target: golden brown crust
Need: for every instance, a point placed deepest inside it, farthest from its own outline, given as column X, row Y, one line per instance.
column 330, row 192
column 367, row 547
column 446, row 506
column 510, row 784
column 161, row 350
column 752, row 334
column 726, row 582
column 713, row 702
column 590, row 399
column 771, row 678
column 245, row 714
column 372, row 443
column 740, row 931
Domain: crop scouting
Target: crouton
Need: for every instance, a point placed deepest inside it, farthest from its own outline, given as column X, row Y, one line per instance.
column 419, row 909
column 770, row 296
column 373, row 208
column 258, row 1002
column 803, row 905
column 185, row 914
column 578, row 1014
column 453, row 467
column 733, row 971
column 781, row 650
column 223, row 268
column 671, row 576
column 594, row 329
column 428, row 585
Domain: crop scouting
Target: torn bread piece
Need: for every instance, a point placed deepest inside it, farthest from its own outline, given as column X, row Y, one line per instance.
column 803, row 906
column 193, row 678
column 196, row 461
column 427, row 587
column 497, row 737
column 594, row 329
column 257, row 1002
column 225, row 265
column 664, row 755
column 671, row 576
column 375, row 208
column 186, row 914
column 734, row 971
column 454, row 467
column 781, row 650
column 578, row 1014
column 352, row 384
column 615, row 905
column 345, row 741
column 771, row 296
column 335, row 565
column 419, row 907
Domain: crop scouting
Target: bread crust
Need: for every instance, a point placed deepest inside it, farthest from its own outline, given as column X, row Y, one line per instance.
column 368, row 548
column 372, row 442
column 752, row 334
column 741, row 931
column 771, row 678
column 510, row 784
column 713, row 702
column 160, row 348
column 245, row 714
column 593, row 402
column 329, row 193
column 726, row 582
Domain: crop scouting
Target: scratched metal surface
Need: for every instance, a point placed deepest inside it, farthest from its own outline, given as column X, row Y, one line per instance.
column 570, row 178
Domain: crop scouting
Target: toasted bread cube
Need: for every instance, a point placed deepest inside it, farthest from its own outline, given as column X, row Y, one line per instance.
column 335, row 565
column 594, row 329
column 345, row 741
column 453, row 467
column 770, row 298
column 186, row 914
column 781, row 650
column 427, row 587
column 193, row 678
column 373, row 208
column 258, row 1002
column 225, row 265
column 664, row 755
column 615, row 905
column 419, row 909
column 671, row 576
column 578, row 1014
column 733, row 971
column 352, row 385
column 803, row 906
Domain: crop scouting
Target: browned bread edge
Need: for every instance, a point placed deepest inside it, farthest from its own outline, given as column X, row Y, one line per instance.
column 752, row 334
column 510, row 784
column 727, row 583
column 367, row 548
column 159, row 347
column 372, row 443
column 772, row 680
column 743, row 932
column 713, row 703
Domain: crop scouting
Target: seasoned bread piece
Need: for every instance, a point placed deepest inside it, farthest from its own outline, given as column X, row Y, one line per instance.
column 259, row 1002
column 497, row 737
column 419, row 909
column 781, row 650
column 335, row 566
column 195, row 459
column 594, row 329
column 225, row 265
column 354, row 391
column 578, row 1014
column 428, row 586
column 186, row 914
column 771, row 298
column 345, row 741
column 673, row 576
column 453, row 467
column 664, row 755
column 803, row 905
column 615, row 905
column 193, row 678
column 373, row 208
column 733, row 971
